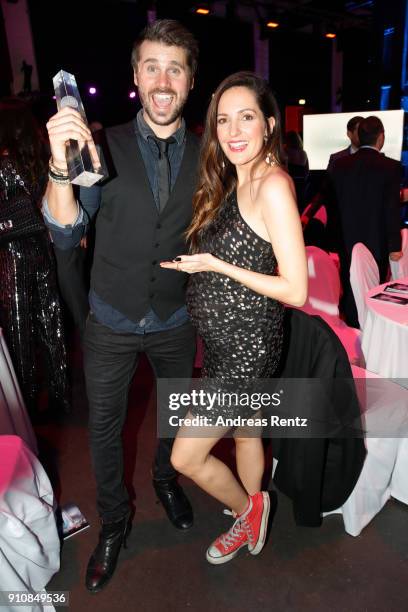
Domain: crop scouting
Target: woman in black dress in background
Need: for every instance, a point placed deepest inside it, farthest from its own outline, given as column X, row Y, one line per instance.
column 245, row 225
column 30, row 312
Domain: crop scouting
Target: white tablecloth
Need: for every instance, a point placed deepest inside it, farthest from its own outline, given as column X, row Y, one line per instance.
column 385, row 472
column 13, row 415
column 29, row 542
column 385, row 336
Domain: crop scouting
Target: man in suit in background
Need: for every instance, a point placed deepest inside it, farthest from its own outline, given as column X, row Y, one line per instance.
column 324, row 194
column 352, row 133
column 367, row 206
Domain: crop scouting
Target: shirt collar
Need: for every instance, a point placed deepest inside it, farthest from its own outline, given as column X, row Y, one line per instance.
column 369, row 147
column 146, row 131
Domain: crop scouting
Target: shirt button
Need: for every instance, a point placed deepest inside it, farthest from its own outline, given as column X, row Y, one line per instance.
column 158, row 225
column 154, row 262
column 153, row 279
column 151, row 295
column 157, row 244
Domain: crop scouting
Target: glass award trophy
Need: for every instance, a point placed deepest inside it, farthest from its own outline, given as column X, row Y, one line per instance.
column 84, row 167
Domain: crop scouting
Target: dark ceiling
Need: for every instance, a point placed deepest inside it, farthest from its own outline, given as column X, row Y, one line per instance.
column 343, row 14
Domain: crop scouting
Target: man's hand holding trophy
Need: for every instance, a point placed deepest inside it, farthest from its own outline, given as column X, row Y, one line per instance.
column 74, row 160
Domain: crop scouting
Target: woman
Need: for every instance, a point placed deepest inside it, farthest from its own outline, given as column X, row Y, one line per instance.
column 245, row 225
column 30, row 313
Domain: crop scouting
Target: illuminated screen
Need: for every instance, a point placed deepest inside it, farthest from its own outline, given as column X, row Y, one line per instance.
column 326, row 134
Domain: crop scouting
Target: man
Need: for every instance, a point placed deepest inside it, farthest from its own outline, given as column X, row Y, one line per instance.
column 352, row 134
column 135, row 306
column 367, row 186
column 324, row 195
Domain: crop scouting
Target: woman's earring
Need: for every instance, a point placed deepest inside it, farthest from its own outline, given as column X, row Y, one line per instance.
column 270, row 160
column 223, row 164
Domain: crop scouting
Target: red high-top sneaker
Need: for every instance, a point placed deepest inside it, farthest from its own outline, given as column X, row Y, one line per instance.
column 255, row 521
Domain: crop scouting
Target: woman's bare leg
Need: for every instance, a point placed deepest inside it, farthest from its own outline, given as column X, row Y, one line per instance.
column 250, row 458
column 191, row 457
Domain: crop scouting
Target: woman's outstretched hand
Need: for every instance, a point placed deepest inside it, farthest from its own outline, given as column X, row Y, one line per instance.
column 200, row 262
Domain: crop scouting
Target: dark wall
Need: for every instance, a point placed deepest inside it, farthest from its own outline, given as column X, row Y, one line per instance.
column 300, row 67
column 5, row 70
column 93, row 40
column 360, row 70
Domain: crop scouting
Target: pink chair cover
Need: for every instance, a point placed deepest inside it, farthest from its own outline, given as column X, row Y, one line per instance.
column 320, row 215
column 13, row 415
column 323, row 300
column 399, row 269
column 364, row 276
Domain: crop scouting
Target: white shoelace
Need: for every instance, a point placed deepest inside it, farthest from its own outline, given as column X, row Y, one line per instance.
column 230, row 537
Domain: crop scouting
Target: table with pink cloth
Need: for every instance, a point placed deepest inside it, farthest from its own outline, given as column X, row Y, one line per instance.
column 29, row 541
column 13, row 415
column 385, row 336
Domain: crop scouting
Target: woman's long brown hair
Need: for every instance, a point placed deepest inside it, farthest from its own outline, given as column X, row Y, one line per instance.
column 217, row 176
column 21, row 139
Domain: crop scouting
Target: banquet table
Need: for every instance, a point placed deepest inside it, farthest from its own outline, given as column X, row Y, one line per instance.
column 13, row 415
column 384, row 475
column 385, row 336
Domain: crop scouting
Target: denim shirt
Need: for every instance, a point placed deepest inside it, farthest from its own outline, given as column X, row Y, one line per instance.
column 90, row 198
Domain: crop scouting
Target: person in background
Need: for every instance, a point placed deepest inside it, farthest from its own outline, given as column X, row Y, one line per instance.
column 367, row 204
column 352, row 134
column 325, row 196
column 298, row 166
column 30, row 312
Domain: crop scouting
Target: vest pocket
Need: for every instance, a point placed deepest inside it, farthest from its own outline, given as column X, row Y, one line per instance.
column 110, row 263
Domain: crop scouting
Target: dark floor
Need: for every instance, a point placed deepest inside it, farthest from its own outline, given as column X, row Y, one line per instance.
column 164, row 569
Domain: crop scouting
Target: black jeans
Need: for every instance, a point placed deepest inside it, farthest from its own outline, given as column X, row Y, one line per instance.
column 110, row 361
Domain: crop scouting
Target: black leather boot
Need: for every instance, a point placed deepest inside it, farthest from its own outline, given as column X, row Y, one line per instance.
column 102, row 563
column 175, row 502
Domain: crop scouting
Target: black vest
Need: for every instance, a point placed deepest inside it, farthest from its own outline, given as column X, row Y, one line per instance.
column 132, row 237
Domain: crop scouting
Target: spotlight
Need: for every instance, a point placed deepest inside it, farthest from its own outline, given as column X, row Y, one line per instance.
column 202, row 9
column 132, row 94
column 329, row 30
column 272, row 24
column 302, row 101
column 92, row 91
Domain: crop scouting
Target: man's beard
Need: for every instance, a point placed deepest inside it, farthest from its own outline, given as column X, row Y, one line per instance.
column 154, row 116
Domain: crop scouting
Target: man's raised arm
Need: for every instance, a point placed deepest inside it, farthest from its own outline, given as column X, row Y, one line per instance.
column 66, row 124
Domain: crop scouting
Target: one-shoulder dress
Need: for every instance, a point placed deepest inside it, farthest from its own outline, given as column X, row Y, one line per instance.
column 242, row 330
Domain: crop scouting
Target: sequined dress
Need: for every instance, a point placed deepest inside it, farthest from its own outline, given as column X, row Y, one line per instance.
column 30, row 311
column 242, row 330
